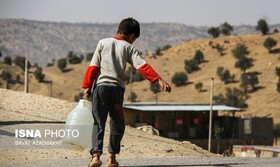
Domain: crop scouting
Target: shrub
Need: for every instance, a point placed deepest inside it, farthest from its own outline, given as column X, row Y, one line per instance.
column 214, row 31
column 155, row 87
column 38, row 73
column 226, row 28
column 233, row 97
column 166, row 47
column 262, row 26
column 278, row 86
column 225, row 75
column 74, row 59
column 191, row 65
column 277, row 71
column 89, row 56
column 7, row 60
column 20, row 61
column 180, row 78
column 136, row 76
column 240, row 51
column 51, row 64
column 269, row 43
column 249, row 79
column 198, row 86
column 62, row 64
column 198, row 56
column 158, row 51
column 243, row 62
column 6, row 75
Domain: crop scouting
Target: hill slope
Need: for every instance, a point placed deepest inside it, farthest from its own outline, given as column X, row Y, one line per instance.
column 263, row 102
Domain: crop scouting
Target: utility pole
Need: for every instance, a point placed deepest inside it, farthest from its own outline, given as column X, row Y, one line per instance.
column 26, row 76
column 50, row 88
column 130, row 81
column 210, row 115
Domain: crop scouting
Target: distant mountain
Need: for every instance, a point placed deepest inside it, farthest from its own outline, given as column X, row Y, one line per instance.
column 43, row 41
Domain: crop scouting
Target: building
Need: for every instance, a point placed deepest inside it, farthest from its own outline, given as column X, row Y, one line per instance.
column 174, row 120
column 191, row 122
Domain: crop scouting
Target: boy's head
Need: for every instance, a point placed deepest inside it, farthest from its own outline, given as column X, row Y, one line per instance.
column 129, row 27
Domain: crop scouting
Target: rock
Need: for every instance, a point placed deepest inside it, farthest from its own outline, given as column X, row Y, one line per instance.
column 149, row 129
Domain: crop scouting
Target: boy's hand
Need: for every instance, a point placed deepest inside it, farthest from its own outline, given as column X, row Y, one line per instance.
column 164, row 85
column 87, row 92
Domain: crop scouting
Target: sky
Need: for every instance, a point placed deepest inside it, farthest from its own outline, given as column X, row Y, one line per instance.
column 189, row 12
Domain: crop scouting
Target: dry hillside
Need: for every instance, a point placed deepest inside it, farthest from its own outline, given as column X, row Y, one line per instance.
column 263, row 102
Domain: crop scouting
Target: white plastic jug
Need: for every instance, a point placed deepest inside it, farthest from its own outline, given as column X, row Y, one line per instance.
column 80, row 122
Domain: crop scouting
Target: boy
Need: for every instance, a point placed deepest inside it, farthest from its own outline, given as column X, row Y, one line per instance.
column 107, row 71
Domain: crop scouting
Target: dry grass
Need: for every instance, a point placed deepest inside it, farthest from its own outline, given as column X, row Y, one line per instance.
column 263, row 102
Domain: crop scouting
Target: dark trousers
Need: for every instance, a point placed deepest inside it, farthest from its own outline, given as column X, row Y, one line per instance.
column 107, row 99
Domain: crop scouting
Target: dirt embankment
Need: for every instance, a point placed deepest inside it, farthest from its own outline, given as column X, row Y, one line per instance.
column 18, row 108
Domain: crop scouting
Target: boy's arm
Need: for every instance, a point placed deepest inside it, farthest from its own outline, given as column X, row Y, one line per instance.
column 164, row 85
column 149, row 73
column 90, row 76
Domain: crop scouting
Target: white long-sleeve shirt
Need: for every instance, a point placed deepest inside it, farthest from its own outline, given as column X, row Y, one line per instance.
column 108, row 63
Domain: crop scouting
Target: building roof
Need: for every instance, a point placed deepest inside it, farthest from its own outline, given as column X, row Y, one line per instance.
column 177, row 107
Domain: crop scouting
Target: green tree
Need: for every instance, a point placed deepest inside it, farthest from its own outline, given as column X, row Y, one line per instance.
column 249, row 79
column 243, row 62
column 218, row 134
column 51, row 64
column 198, row 86
column 73, row 58
column 225, row 75
column 155, row 87
column 158, row 51
column 262, row 26
column 7, row 60
column 38, row 73
column 62, row 64
column 278, row 86
column 214, row 31
column 180, row 79
column 199, row 56
column 191, row 65
column 135, row 77
column 20, row 61
column 89, row 56
column 269, row 43
column 6, row 75
column 166, row 47
column 277, row 71
column 226, row 28
column 220, row 49
column 233, row 97
column 276, row 132
column 240, row 51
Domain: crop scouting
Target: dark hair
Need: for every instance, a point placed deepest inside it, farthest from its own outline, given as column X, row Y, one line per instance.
column 129, row 26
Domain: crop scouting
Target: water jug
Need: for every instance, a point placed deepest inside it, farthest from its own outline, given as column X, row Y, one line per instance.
column 80, row 122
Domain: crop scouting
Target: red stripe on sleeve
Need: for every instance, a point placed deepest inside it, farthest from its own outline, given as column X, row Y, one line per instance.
column 90, row 76
column 148, row 72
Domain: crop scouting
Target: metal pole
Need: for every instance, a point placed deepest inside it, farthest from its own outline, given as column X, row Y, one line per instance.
column 51, row 89
column 130, row 81
column 26, row 76
column 210, row 115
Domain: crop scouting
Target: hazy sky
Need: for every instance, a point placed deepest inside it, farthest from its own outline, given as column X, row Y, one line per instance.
column 189, row 12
